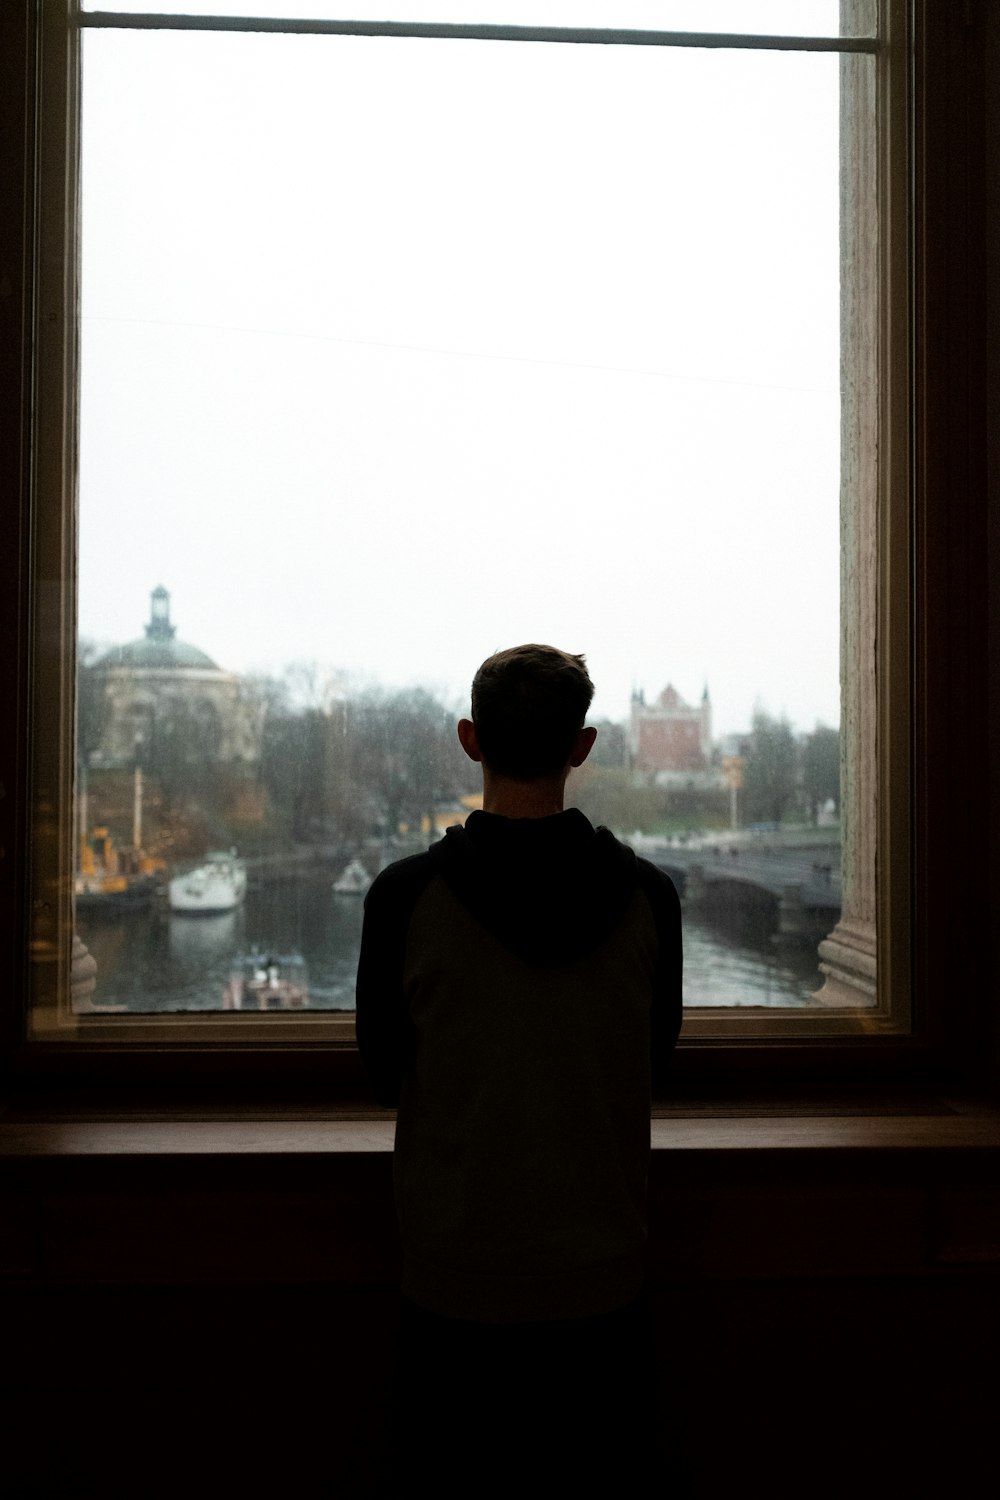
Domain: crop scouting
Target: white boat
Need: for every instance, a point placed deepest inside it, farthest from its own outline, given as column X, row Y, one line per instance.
column 354, row 880
column 217, row 885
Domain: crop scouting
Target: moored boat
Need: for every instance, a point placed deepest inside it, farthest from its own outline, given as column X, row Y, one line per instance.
column 353, row 880
column 267, row 981
column 122, row 888
column 111, row 879
column 217, row 885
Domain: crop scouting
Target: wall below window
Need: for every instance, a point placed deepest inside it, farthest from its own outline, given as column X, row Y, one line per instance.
column 182, row 1318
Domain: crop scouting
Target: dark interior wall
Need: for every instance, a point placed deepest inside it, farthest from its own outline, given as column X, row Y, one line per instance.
column 827, row 1323
column 16, row 108
column 954, row 604
column 785, row 1388
column 992, row 685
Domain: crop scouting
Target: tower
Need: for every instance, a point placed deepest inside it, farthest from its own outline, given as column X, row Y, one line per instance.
column 705, row 713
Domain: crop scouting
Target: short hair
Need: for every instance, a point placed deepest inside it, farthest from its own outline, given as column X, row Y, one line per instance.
column 528, row 704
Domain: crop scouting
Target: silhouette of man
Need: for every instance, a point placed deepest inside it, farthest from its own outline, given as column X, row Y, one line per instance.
column 519, row 987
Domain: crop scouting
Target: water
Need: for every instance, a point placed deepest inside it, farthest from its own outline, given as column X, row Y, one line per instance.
column 738, row 965
column 155, row 961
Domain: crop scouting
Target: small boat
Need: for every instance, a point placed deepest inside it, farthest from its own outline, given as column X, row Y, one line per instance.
column 109, row 879
column 217, row 885
column 124, row 886
column 267, row 981
column 354, row 880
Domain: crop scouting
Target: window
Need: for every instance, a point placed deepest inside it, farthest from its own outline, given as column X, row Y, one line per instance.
column 169, row 711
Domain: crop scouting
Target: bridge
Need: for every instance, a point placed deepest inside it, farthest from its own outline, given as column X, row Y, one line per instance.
column 801, row 884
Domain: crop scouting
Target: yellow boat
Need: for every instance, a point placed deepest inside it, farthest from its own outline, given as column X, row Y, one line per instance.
column 111, row 879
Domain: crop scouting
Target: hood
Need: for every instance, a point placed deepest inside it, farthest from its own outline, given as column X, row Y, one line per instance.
column 550, row 889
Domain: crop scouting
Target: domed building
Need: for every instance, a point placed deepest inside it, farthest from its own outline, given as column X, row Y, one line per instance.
column 159, row 684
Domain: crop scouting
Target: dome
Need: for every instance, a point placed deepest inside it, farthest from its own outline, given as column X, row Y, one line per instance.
column 147, row 653
column 159, row 648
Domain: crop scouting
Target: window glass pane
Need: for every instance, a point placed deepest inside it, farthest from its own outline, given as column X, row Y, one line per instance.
column 396, row 354
column 766, row 17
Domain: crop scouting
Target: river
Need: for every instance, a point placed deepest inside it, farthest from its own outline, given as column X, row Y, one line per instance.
column 154, row 961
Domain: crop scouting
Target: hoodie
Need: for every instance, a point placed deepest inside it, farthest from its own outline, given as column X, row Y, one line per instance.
column 519, row 986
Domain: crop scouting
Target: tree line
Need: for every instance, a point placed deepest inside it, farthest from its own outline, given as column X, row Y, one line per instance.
column 365, row 764
column 786, row 773
column 785, row 777
column 342, row 765
column 332, row 767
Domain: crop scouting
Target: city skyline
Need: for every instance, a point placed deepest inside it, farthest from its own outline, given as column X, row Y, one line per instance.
column 324, row 683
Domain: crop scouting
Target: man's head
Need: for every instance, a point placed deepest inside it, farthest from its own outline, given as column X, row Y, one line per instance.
column 528, row 708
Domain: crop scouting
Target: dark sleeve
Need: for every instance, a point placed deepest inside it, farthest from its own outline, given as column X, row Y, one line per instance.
column 385, row 1031
column 668, row 1000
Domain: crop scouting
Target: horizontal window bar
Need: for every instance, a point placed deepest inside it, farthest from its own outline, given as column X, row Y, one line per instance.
column 447, row 31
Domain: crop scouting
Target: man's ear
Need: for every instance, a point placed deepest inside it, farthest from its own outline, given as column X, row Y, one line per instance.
column 582, row 745
column 469, row 739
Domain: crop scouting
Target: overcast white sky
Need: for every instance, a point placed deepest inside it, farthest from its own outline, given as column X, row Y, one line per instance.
column 396, row 352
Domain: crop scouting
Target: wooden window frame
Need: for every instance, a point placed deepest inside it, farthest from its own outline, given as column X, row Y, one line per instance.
column 926, row 597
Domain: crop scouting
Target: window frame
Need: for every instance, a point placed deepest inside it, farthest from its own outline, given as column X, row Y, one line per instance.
column 832, row 1043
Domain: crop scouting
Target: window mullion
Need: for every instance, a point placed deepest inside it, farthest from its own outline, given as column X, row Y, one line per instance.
column 605, row 36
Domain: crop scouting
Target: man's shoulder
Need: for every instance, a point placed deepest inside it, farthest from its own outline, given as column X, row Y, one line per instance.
column 402, row 872
column 656, row 883
column 657, row 886
column 653, row 876
column 402, row 881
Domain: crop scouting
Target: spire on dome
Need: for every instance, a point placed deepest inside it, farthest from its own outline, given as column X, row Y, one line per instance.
column 159, row 627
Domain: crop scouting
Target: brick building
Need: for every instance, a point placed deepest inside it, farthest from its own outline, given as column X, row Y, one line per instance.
column 670, row 735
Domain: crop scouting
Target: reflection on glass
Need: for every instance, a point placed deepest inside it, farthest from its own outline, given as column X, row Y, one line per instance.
column 396, row 353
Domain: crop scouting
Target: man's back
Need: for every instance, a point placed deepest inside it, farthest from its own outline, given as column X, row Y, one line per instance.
column 518, row 984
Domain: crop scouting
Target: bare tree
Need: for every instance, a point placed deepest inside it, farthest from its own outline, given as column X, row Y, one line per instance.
column 771, row 768
column 821, row 769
